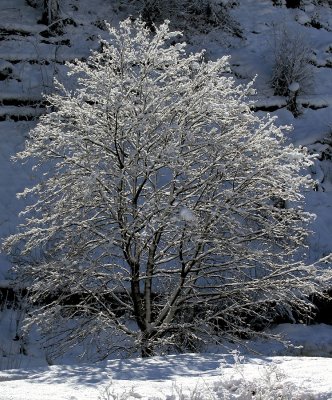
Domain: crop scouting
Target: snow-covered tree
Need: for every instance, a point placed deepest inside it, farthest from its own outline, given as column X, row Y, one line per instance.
column 169, row 212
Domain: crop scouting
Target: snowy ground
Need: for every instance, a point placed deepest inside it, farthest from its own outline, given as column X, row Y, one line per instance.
column 210, row 376
column 222, row 374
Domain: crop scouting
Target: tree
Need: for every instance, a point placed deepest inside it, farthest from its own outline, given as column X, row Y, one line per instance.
column 50, row 11
column 158, row 223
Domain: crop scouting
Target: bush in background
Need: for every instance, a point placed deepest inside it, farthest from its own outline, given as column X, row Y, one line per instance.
column 292, row 63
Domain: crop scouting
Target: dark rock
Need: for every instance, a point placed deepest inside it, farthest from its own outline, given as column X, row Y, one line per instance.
column 293, row 3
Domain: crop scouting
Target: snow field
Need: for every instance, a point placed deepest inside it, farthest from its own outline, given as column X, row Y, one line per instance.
column 181, row 377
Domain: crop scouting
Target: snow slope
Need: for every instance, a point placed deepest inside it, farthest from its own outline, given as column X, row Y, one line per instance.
column 34, row 58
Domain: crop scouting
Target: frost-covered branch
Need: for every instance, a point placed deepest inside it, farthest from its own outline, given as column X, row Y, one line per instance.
column 159, row 218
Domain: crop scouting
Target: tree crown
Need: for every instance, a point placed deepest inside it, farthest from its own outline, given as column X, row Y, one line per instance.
column 169, row 208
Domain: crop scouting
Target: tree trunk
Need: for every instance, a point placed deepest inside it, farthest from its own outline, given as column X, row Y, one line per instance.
column 50, row 12
column 146, row 346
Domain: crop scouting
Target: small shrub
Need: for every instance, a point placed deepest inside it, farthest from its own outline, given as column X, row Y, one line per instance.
column 292, row 63
column 109, row 393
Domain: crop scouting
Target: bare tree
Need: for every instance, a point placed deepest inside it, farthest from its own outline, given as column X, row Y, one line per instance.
column 156, row 225
column 50, row 11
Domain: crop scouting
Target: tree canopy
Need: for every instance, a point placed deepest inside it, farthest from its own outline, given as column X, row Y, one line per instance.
column 169, row 212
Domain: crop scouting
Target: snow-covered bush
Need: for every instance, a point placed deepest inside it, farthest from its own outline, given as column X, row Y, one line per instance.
column 270, row 384
column 156, row 226
column 110, row 394
column 292, row 63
